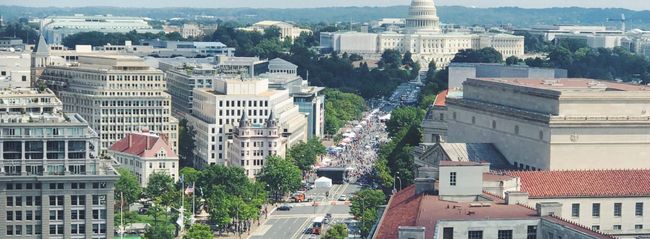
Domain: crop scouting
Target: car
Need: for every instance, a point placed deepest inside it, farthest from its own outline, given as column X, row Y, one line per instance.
column 343, row 198
column 328, row 218
column 285, row 207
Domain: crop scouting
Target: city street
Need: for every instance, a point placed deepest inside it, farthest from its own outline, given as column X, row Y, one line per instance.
column 294, row 223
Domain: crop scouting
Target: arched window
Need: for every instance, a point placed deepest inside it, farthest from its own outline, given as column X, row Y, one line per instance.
column 494, row 124
column 473, row 120
column 517, row 129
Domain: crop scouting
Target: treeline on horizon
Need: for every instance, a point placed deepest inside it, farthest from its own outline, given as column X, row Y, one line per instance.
column 520, row 17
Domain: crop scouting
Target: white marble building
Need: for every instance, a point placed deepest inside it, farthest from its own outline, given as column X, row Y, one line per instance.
column 423, row 38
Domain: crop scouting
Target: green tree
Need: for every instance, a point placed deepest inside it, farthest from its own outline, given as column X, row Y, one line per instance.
column 337, row 231
column 561, row 57
column 408, row 59
column 190, row 174
column 364, row 207
column 161, row 227
column 159, row 184
column 128, row 186
column 281, row 176
column 485, row 55
column 512, row 60
column 390, row 59
column 199, row 231
column 186, row 143
column 305, row 154
column 403, row 117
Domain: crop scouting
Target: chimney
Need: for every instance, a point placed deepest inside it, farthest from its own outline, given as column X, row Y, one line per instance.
column 130, row 140
column 514, row 197
column 425, row 185
column 549, row 209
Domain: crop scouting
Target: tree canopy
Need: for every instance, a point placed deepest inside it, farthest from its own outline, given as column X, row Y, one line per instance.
column 337, row 231
column 340, row 108
column 281, row 175
column 199, row 231
column 128, row 186
column 485, row 55
column 186, row 143
column 304, row 154
column 364, row 207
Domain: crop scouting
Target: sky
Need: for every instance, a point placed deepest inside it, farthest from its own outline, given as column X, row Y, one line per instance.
column 630, row 4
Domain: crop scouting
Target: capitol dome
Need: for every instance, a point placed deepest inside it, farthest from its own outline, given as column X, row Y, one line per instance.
column 423, row 17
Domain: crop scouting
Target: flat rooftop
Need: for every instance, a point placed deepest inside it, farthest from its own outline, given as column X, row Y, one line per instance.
column 566, row 84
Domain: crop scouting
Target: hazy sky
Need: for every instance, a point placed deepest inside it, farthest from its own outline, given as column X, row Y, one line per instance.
column 630, row 4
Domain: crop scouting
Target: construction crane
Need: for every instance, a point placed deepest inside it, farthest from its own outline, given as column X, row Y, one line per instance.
column 622, row 20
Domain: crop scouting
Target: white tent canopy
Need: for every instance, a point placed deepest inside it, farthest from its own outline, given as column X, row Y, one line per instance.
column 323, row 182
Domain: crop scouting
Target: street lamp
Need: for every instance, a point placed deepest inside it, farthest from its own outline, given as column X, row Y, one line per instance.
column 400, row 183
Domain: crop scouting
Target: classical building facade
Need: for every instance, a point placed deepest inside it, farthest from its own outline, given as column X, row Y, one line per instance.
column 52, row 182
column 287, row 30
column 216, row 110
column 423, row 38
column 555, row 124
column 116, row 94
column 252, row 144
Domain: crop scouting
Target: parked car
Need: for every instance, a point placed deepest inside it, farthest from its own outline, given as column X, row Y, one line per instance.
column 343, row 198
column 285, row 207
column 328, row 218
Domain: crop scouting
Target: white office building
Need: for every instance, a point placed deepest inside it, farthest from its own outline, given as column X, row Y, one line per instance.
column 116, row 94
column 15, row 69
column 215, row 111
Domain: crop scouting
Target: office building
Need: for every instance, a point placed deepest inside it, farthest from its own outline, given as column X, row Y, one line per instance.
column 215, row 112
column 459, row 72
column 183, row 75
column 144, row 153
column 53, row 184
column 310, row 99
column 116, row 94
column 422, row 37
column 56, row 28
column 554, row 124
column 15, row 69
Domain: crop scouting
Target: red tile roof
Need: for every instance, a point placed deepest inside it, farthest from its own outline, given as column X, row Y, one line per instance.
column 407, row 209
column 145, row 145
column 441, row 98
column 591, row 183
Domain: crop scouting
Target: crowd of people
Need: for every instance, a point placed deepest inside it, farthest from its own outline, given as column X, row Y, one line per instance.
column 360, row 151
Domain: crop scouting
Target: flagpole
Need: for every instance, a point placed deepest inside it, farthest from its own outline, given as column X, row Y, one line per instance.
column 193, row 199
column 122, row 215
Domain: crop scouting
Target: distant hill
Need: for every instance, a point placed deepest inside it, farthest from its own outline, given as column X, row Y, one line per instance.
column 519, row 17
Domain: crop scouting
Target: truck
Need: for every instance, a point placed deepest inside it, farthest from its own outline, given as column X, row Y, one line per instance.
column 298, row 197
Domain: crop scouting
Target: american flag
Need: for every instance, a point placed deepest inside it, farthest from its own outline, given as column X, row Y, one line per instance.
column 190, row 189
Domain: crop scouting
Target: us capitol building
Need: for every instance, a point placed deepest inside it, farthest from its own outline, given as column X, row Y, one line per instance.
column 423, row 37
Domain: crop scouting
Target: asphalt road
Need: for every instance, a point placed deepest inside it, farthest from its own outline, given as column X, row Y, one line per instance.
column 293, row 224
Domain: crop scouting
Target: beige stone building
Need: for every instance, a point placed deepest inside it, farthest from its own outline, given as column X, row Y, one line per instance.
column 252, row 144
column 116, row 94
column 555, row 124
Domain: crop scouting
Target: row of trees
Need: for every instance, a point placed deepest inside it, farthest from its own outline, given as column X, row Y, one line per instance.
column 340, row 108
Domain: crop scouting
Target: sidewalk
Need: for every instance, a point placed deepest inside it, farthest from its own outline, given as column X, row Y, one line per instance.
column 254, row 226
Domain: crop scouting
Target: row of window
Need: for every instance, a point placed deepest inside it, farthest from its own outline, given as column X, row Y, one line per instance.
column 55, row 229
column 494, row 125
column 617, row 227
column 595, row 209
column 448, row 233
column 17, row 201
column 242, row 103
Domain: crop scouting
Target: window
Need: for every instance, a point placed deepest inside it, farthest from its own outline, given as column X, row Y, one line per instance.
column 452, row 179
column 638, row 227
column 595, row 228
column 617, row 227
column 617, row 209
column 494, row 124
column 638, row 209
column 78, row 200
column 475, row 235
column 595, row 209
column 10, row 230
column 10, row 201
column 10, row 215
column 56, row 215
column 448, row 233
column 504, row 234
column 78, row 214
column 78, row 228
column 517, row 129
column 29, row 215
column 532, row 232
column 575, row 210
